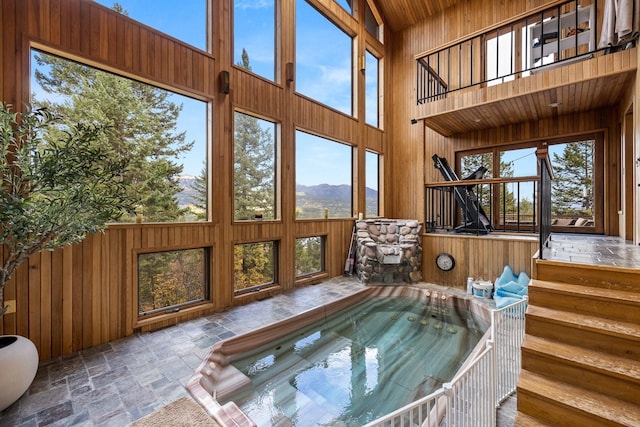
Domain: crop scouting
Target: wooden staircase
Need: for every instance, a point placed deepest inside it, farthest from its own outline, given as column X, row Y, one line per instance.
column 581, row 351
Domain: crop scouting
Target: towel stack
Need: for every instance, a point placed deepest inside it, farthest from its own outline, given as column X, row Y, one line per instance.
column 510, row 288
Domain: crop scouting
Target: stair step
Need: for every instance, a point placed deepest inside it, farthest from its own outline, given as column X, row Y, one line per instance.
column 599, row 334
column 524, row 420
column 609, row 277
column 609, row 303
column 599, row 372
column 565, row 405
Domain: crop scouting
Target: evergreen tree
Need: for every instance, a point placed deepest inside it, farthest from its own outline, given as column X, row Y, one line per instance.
column 200, row 194
column 573, row 180
column 141, row 122
column 254, row 165
column 308, row 256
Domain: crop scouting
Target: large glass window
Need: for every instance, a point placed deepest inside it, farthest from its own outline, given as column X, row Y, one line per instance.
column 500, row 57
column 167, row 280
column 372, row 105
column 323, row 177
column 184, row 20
column 323, row 59
column 517, row 198
column 372, row 166
column 254, row 36
column 309, row 255
column 572, row 189
column 254, row 167
column 573, row 204
column 253, row 266
column 162, row 134
column 370, row 22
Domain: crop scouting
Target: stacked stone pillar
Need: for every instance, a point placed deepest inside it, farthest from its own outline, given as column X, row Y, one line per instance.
column 389, row 250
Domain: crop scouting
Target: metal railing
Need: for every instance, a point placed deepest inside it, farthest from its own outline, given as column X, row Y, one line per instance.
column 472, row 396
column 509, row 204
column 546, row 37
column 546, row 176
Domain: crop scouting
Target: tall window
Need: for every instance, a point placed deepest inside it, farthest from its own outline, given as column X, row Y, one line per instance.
column 184, row 20
column 372, row 109
column 254, row 36
column 372, row 166
column 323, row 178
column 162, row 134
column 254, row 168
column 500, row 57
column 323, row 59
column 254, row 266
column 309, row 255
column 172, row 279
column 371, row 23
column 517, row 198
column 573, row 185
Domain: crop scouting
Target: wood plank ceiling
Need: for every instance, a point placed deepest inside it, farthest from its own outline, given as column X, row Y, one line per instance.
column 401, row 14
column 592, row 94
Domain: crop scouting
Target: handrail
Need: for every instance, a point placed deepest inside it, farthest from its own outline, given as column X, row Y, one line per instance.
column 546, row 176
column 541, row 38
column 467, row 182
column 442, row 212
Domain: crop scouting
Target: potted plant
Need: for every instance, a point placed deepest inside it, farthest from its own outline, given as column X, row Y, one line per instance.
column 59, row 183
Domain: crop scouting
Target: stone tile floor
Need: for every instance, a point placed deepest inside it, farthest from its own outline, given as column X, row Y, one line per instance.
column 121, row 381
column 593, row 249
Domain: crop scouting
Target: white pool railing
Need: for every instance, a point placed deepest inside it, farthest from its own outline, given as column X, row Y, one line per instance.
column 472, row 396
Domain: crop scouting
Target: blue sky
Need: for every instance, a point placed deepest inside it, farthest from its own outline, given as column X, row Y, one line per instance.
column 321, row 73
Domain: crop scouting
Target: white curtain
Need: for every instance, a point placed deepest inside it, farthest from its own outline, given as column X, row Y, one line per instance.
column 620, row 23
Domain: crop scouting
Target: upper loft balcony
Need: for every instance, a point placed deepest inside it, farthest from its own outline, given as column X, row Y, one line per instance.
column 551, row 61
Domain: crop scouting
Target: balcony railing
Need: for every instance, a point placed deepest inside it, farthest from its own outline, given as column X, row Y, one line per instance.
column 513, row 204
column 544, row 38
column 509, row 204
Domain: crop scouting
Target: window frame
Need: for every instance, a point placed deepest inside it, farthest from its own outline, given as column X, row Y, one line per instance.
column 352, row 164
column 598, row 173
column 173, row 310
column 277, row 159
column 323, row 253
column 239, row 293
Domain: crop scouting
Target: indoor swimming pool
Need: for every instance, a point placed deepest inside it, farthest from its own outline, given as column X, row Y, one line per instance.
column 352, row 364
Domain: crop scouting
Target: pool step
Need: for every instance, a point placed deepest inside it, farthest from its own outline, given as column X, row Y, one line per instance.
column 596, row 333
column 591, row 370
column 609, row 303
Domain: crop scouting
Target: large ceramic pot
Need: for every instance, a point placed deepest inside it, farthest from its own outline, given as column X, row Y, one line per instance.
column 18, row 367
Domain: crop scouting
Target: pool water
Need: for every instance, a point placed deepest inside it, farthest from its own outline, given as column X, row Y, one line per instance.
column 358, row 365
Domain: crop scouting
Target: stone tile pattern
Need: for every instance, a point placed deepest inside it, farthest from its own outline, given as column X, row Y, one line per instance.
column 593, row 249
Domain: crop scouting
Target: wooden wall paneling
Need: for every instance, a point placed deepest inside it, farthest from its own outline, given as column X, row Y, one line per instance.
column 67, row 300
column 46, row 326
column 34, row 300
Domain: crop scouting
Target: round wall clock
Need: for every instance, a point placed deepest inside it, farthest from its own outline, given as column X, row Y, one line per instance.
column 445, row 262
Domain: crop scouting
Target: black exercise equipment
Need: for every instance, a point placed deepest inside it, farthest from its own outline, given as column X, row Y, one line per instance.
column 476, row 220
